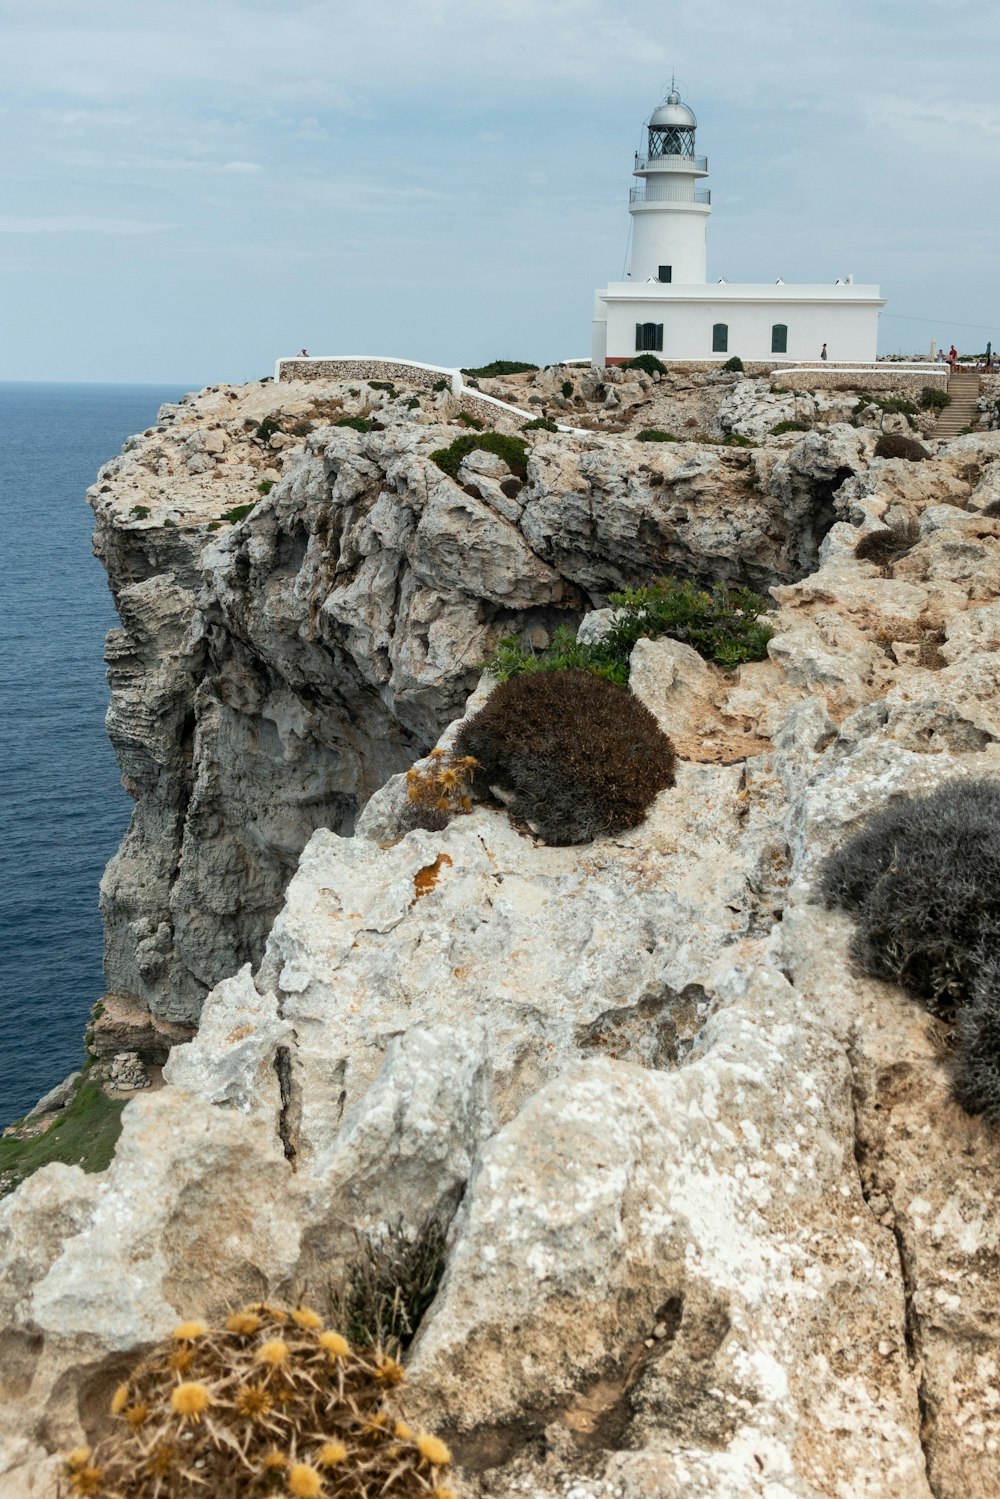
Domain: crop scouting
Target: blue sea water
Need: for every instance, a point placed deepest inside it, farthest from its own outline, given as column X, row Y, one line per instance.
column 62, row 809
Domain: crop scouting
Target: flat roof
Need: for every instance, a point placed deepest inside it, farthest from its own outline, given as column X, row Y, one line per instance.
column 739, row 291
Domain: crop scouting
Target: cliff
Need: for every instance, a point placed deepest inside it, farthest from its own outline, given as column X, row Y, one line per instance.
column 714, row 1225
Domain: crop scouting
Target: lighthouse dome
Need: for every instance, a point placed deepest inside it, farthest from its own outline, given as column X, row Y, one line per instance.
column 672, row 114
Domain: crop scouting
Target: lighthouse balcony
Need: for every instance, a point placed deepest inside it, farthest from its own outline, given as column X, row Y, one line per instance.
column 670, row 163
column 664, row 194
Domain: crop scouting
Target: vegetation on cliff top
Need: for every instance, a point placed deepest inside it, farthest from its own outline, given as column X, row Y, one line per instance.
column 83, row 1134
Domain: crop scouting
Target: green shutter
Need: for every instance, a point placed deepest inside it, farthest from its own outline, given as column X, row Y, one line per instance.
column 720, row 338
column 779, row 339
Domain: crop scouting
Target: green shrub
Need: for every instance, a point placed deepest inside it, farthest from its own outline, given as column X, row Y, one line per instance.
column 734, row 365
column 512, row 450
column 266, row 429
column 895, row 445
column 540, row 424
column 647, row 362
column 576, row 758
column 653, row 434
column 412, row 403
column 83, row 1134
column 382, row 385
column 301, row 428
column 789, row 426
column 356, row 423
column 567, row 388
column 265, row 486
column 140, row 512
column 500, row 367
column 215, row 525
column 470, row 421
column 737, row 440
column 934, row 398
column 441, row 384
column 922, row 879
column 723, row 625
column 895, row 405
column 238, row 512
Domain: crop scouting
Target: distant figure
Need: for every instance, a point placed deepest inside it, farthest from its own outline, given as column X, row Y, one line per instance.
column 303, row 353
column 822, row 352
column 953, row 358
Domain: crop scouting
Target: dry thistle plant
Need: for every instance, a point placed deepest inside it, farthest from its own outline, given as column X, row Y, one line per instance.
column 271, row 1404
column 440, row 789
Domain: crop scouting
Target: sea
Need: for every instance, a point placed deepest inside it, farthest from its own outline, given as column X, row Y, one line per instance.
column 62, row 807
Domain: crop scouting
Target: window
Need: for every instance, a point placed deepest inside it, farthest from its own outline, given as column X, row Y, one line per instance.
column 666, row 273
column 720, row 338
column 669, row 140
column 779, row 339
column 649, row 336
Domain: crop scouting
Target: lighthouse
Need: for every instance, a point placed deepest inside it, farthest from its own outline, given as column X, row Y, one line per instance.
column 668, row 306
column 669, row 211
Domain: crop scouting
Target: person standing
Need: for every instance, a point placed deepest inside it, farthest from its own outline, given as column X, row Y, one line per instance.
column 822, row 352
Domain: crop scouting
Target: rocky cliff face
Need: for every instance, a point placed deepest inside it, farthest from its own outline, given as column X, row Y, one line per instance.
column 271, row 673
column 714, row 1226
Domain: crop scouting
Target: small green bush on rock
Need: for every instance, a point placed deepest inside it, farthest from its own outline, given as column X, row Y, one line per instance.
column 734, row 365
column 654, row 434
column 512, row 450
column 356, row 423
column 789, row 426
column 887, row 543
column 470, row 421
column 895, row 445
column 540, row 424
column 567, row 388
column 500, row 367
column 237, row 513
column 934, row 398
column 574, row 757
column 647, row 362
column 922, row 879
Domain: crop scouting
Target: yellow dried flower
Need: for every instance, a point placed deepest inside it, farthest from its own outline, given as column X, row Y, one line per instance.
column 160, row 1460
column 375, row 1425
column 389, row 1370
column 187, row 1332
column 255, row 1402
column 306, row 1317
column 181, row 1359
column 137, row 1415
column 243, row 1323
column 403, row 1432
column 119, row 1400
column 190, row 1400
column 335, row 1345
column 433, row 1450
column 273, row 1352
column 304, row 1482
column 274, row 1460
column 330, row 1454
column 78, row 1458
column 88, row 1480
column 443, row 1494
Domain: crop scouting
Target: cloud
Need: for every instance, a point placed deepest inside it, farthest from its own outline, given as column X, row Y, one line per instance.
column 74, row 224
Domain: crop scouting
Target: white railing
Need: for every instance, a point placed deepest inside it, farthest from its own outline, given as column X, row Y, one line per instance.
column 685, row 163
column 668, row 195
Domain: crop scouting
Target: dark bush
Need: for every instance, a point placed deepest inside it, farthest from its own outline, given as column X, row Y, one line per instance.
column 382, row 385
column 654, row 434
column 237, row 513
column 647, row 362
column 737, row 440
column 265, row 486
column 933, row 397
column 567, row 388
column 390, row 1286
column 734, row 365
column 789, row 426
column 266, row 429
column 500, row 367
column 540, row 424
column 887, row 543
column 922, row 878
column 895, row 445
column 357, row 423
column 575, row 757
column 512, row 450
column 993, row 508
column 470, row 421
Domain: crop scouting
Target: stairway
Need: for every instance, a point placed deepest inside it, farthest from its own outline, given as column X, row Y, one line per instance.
column 963, row 387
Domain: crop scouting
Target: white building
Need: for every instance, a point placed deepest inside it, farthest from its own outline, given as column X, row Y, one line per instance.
column 667, row 305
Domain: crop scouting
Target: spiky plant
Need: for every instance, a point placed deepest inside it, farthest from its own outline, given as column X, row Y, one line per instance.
column 273, row 1403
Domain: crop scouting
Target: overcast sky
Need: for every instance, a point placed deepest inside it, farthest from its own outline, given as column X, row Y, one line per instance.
column 192, row 189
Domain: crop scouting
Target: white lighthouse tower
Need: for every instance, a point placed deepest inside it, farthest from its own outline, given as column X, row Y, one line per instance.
column 667, row 307
column 669, row 213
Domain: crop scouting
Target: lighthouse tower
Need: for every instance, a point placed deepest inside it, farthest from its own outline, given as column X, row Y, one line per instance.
column 669, row 213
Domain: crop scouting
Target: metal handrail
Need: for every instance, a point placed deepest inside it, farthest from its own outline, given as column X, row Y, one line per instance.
column 692, row 163
column 668, row 195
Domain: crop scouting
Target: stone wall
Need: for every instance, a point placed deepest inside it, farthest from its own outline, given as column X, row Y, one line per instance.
column 885, row 377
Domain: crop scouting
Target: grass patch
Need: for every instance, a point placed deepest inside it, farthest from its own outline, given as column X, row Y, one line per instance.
column 500, row 367
column 540, row 424
column 737, row 440
column 791, row 425
column 265, row 486
column 723, row 625
column 356, row 423
column 140, row 512
column 83, row 1134
column 513, row 451
column 390, row 1286
column 237, row 513
column 470, row 421
column 653, row 434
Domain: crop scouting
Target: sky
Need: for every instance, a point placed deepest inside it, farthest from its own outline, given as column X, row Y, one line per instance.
column 191, row 190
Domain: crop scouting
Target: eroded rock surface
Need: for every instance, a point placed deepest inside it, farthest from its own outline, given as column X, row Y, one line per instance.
column 715, row 1226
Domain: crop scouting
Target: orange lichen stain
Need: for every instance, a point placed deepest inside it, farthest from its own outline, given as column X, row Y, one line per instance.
column 425, row 879
column 240, row 1033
